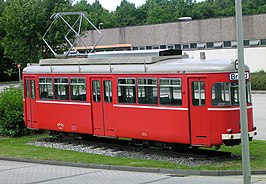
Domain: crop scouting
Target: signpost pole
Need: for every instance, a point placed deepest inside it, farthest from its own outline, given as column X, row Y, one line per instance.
column 242, row 95
column 19, row 72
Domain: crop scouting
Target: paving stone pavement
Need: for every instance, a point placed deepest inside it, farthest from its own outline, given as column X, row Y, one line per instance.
column 12, row 172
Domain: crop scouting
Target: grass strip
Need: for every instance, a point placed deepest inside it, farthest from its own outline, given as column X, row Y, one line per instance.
column 18, row 148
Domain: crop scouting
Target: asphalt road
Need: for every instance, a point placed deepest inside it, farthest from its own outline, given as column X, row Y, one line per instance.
column 259, row 115
column 30, row 173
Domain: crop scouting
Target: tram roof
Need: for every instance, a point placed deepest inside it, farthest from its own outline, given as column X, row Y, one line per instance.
column 130, row 63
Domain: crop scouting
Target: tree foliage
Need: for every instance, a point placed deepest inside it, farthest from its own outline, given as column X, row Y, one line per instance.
column 24, row 22
column 11, row 113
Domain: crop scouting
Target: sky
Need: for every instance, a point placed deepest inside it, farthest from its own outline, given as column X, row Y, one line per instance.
column 112, row 4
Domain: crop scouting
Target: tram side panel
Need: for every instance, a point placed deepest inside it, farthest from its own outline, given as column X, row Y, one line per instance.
column 152, row 122
column 60, row 115
column 165, row 125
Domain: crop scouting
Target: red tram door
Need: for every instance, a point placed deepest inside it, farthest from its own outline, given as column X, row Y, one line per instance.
column 30, row 100
column 102, row 107
column 199, row 121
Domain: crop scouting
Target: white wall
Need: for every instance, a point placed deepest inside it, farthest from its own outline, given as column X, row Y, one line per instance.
column 255, row 57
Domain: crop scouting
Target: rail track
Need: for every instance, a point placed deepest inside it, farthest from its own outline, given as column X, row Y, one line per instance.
column 188, row 156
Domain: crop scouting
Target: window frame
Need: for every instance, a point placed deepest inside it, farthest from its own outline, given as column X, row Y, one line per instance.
column 169, row 85
column 147, row 95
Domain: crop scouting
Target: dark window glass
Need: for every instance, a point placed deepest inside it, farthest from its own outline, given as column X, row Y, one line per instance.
column 227, row 43
column 147, row 91
column 178, row 46
column 263, row 41
column 108, row 91
column 185, row 46
column 27, row 89
column 170, row 91
column 78, row 89
column 45, row 88
column 33, row 93
column 96, row 90
column 126, row 91
column 61, row 89
column 210, row 45
column 198, row 92
column 246, row 42
column 193, row 45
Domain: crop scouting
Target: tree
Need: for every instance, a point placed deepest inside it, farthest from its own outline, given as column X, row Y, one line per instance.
column 24, row 22
column 126, row 14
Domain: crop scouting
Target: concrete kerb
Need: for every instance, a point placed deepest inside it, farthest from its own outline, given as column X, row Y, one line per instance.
column 178, row 173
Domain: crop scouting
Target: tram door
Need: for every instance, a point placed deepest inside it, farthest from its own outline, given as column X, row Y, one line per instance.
column 30, row 100
column 199, row 123
column 102, row 106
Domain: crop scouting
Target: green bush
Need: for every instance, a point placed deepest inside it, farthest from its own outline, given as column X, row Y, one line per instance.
column 11, row 112
column 258, row 80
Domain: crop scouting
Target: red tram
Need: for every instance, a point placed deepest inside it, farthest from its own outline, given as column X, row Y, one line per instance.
column 151, row 96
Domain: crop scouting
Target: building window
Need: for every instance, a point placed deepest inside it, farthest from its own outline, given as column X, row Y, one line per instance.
column 45, row 88
column 61, row 89
column 170, row 46
column 193, row 45
column 147, row 91
column 227, row 43
column 162, row 46
column 185, row 46
column 126, row 91
column 246, row 43
column 135, row 48
column 155, row 47
column 170, row 91
column 210, row 45
column 177, row 46
column 148, row 47
column 263, row 42
column 78, row 89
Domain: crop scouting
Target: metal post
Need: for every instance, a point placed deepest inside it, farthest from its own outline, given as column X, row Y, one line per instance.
column 242, row 95
column 19, row 73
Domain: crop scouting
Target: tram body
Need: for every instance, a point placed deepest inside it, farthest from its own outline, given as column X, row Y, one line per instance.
column 171, row 99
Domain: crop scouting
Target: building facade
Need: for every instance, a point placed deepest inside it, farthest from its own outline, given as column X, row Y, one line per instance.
column 216, row 37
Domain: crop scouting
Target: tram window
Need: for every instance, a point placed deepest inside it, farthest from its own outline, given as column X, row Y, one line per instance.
column 27, row 89
column 45, row 88
column 234, row 94
column 108, row 91
column 221, row 94
column 32, row 85
column 227, row 94
column 147, row 91
column 248, row 90
column 61, row 89
column 126, row 91
column 96, row 90
column 170, row 91
column 78, row 89
column 198, row 92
